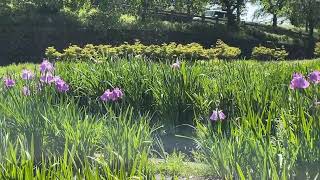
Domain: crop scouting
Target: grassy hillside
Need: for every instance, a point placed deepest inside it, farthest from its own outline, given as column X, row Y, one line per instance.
column 21, row 43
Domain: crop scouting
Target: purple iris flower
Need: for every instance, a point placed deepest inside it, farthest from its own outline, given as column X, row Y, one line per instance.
column 299, row 82
column 117, row 94
column 106, row 96
column 113, row 95
column 315, row 77
column 46, row 66
column 48, row 78
column 27, row 74
column 61, row 85
column 297, row 75
column 217, row 115
column 9, row 83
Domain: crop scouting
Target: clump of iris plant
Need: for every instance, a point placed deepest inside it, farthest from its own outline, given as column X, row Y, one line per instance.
column 113, row 95
column 46, row 79
column 46, row 70
column 217, row 115
column 300, row 82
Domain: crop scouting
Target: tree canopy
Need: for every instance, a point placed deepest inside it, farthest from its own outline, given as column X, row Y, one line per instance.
column 301, row 13
column 276, row 8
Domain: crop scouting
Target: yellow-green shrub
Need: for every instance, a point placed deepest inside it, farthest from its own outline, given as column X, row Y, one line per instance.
column 106, row 51
column 73, row 52
column 153, row 51
column 89, row 51
column 317, row 50
column 194, row 51
column 190, row 51
column 267, row 54
column 124, row 50
column 52, row 53
column 280, row 54
column 223, row 51
column 171, row 51
column 138, row 48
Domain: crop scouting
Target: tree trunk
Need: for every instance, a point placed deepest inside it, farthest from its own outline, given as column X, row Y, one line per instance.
column 311, row 30
column 189, row 6
column 230, row 18
column 311, row 43
column 275, row 20
column 144, row 10
column 239, row 11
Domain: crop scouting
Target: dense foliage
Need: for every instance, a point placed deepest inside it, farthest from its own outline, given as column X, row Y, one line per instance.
column 101, row 14
column 276, row 8
column 45, row 134
column 97, row 14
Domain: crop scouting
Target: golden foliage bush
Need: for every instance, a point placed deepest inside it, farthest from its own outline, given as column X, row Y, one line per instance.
column 267, row 54
column 171, row 51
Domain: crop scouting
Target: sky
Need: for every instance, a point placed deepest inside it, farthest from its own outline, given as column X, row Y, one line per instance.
column 250, row 9
column 249, row 14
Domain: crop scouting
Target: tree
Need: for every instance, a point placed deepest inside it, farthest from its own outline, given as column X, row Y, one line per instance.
column 197, row 6
column 183, row 6
column 4, row 8
column 274, row 7
column 306, row 13
column 230, row 6
column 240, row 5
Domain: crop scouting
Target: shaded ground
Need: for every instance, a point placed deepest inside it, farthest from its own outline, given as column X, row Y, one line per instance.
column 158, row 177
column 178, row 139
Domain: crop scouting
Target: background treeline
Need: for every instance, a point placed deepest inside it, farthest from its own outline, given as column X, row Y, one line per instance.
column 300, row 13
column 28, row 27
column 90, row 12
